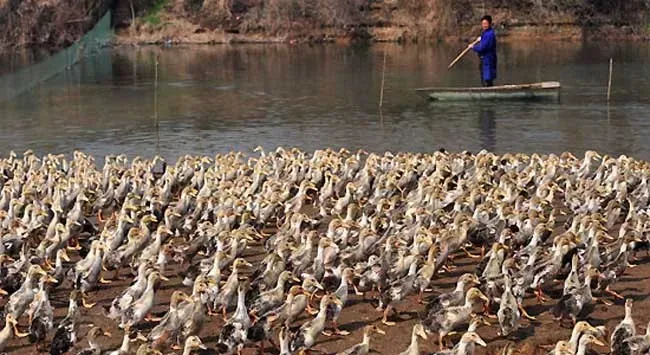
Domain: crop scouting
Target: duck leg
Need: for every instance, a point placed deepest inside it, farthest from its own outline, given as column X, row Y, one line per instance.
column 149, row 318
column 603, row 301
column 359, row 293
column 540, row 295
column 524, row 313
column 473, row 256
column 310, row 309
column 385, row 318
column 47, row 265
column 441, row 345
column 487, row 306
column 614, row 293
column 18, row 334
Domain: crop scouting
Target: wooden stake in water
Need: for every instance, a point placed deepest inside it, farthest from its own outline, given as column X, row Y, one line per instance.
column 609, row 84
column 383, row 76
column 155, row 105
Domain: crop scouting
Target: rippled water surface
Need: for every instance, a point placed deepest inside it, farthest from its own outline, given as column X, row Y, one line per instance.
column 218, row 98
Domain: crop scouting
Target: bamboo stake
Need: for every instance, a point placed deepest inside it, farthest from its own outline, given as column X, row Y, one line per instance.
column 155, row 105
column 609, row 83
column 383, row 76
column 463, row 53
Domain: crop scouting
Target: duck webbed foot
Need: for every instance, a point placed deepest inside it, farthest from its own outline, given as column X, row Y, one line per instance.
column 84, row 301
column 338, row 331
column 74, row 245
column 102, row 280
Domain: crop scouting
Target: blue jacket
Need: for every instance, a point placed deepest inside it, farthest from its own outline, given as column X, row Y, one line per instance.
column 487, row 51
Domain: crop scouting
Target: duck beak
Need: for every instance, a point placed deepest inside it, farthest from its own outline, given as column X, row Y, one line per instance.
column 247, row 264
column 3, row 292
column 141, row 337
column 481, row 342
column 162, row 277
column 380, row 331
column 295, row 279
column 108, row 334
column 423, row 334
column 599, row 343
column 65, row 256
column 52, row 280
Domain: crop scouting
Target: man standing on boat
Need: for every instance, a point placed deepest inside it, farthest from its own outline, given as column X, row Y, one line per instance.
column 486, row 49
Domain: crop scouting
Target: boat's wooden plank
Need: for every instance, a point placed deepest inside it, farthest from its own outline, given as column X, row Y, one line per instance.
column 513, row 95
column 543, row 85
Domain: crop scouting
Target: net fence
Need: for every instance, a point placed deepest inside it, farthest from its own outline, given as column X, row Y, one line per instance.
column 17, row 83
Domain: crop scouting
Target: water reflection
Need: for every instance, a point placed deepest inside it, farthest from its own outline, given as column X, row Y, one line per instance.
column 488, row 126
column 217, row 98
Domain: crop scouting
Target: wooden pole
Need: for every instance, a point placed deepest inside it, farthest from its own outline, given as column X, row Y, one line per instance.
column 383, row 76
column 462, row 53
column 609, row 83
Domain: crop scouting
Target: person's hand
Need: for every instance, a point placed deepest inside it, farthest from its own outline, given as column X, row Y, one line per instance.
column 471, row 45
column 478, row 39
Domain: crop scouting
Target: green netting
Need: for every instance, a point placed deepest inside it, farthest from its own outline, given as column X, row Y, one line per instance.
column 14, row 84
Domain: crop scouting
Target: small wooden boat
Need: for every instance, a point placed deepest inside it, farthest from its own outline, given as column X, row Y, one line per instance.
column 548, row 90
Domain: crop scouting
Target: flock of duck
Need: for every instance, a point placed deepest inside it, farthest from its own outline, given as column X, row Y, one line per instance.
column 330, row 223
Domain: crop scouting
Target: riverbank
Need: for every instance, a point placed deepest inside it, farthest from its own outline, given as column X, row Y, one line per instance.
column 56, row 24
column 255, row 21
column 182, row 32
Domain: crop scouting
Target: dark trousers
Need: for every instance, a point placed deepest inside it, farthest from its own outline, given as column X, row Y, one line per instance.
column 486, row 83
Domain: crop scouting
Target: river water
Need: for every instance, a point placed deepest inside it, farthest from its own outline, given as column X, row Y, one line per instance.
column 211, row 99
